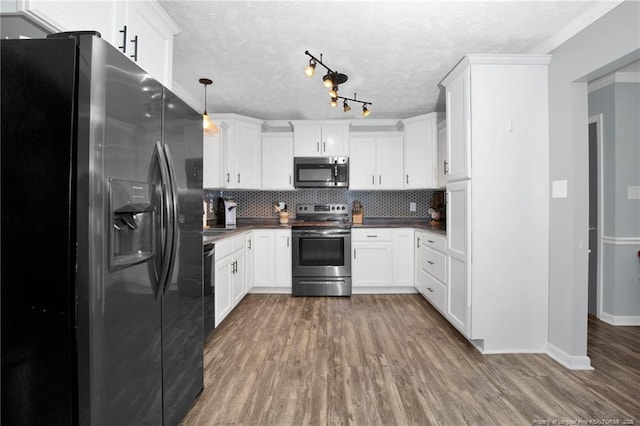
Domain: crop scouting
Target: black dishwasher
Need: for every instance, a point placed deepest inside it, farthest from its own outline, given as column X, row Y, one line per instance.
column 209, row 269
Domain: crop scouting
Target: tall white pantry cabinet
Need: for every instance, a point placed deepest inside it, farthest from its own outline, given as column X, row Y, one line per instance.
column 497, row 201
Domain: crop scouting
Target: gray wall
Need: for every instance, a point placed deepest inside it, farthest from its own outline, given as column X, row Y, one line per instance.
column 619, row 104
column 610, row 42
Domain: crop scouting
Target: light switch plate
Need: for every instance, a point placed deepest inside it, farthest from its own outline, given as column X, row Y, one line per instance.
column 633, row 192
column 559, row 189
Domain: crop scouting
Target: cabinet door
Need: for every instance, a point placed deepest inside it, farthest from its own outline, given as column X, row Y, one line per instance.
column 227, row 153
column 371, row 265
column 459, row 127
column 442, row 155
column 335, row 139
column 419, row 154
column 238, row 284
column 223, row 301
column 389, row 162
column 458, row 306
column 211, row 161
column 282, row 258
column 362, row 162
column 307, row 140
column 247, row 156
column 248, row 261
column 277, row 162
column 150, row 34
column 403, row 266
column 264, row 260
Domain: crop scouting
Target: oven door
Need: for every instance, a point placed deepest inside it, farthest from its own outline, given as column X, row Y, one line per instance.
column 321, row 252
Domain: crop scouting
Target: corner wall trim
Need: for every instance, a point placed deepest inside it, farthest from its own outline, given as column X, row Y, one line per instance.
column 570, row 361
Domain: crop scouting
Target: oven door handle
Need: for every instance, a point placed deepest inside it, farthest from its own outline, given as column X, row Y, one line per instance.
column 322, row 232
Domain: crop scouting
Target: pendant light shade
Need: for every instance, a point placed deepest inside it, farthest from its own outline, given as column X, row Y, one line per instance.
column 208, row 126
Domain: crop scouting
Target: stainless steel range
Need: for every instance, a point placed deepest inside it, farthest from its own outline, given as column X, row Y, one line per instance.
column 321, row 264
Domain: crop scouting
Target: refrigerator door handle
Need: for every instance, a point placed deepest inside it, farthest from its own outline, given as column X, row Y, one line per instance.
column 168, row 203
column 173, row 228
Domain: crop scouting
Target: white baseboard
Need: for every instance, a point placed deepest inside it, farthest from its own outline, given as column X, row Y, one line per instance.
column 383, row 290
column 572, row 362
column 620, row 319
column 270, row 290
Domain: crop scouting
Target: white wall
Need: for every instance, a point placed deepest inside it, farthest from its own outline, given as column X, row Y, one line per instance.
column 610, row 42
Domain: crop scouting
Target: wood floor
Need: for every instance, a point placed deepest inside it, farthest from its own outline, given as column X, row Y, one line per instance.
column 393, row 360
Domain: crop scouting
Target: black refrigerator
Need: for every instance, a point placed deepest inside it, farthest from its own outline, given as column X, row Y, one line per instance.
column 101, row 208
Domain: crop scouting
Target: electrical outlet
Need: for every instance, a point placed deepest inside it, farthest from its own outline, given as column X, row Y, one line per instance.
column 559, row 189
column 633, row 192
column 412, row 206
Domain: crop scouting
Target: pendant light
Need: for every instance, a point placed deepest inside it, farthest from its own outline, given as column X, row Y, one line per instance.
column 208, row 126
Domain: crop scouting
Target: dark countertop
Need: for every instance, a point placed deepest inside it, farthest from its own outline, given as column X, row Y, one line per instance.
column 215, row 233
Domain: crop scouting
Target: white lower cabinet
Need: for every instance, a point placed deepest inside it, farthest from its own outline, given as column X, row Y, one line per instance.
column 230, row 275
column 271, row 260
column 431, row 276
column 381, row 259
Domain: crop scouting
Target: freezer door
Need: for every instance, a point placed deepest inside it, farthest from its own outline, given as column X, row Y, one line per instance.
column 182, row 297
column 120, row 122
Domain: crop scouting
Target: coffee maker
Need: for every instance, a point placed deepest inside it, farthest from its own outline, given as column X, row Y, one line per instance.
column 226, row 214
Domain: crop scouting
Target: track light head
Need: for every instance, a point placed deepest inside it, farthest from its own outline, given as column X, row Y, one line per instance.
column 310, row 70
column 327, row 80
column 334, row 102
column 345, row 106
column 334, row 92
column 365, row 111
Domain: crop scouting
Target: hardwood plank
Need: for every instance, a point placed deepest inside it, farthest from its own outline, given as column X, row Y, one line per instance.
column 394, row 360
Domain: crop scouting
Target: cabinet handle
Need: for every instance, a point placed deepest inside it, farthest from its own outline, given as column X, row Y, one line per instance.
column 373, row 180
column 324, row 147
column 287, row 241
column 446, row 167
column 431, row 241
column 379, row 179
column 249, row 244
column 238, row 177
column 135, row 49
column 124, row 39
column 407, row 179
column 354, row 253
column 430, row 262
column 289, row 179
column 318, row 146
column 430, row 289
column 228, row 177
column 418, row 245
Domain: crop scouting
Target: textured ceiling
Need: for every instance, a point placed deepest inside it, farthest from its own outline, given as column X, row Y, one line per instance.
column 394, row 53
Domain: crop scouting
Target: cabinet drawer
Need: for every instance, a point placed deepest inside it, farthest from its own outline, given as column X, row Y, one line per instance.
column 371, row 234
column 228, row 245
column 435, row 242
column 433, row 290
column 433, row 262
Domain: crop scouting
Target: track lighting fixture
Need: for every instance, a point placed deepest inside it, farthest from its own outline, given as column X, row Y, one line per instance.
column 331, row 80
column 347, row 108
column 208, row 126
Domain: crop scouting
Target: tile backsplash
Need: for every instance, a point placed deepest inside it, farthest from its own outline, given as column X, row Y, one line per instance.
column 386, row 204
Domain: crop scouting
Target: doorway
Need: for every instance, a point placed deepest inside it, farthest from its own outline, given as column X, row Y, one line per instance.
column 595, row 197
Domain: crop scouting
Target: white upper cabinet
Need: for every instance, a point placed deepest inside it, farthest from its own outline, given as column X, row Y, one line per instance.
column 421, row 151
column 240, row 151
column 321, row 139
column 141, row 30
column 211, row 172
column 442, row 154
column 376, row 160
column 277, row 161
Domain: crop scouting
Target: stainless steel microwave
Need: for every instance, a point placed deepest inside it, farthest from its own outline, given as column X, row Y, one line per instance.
column 321, row 172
